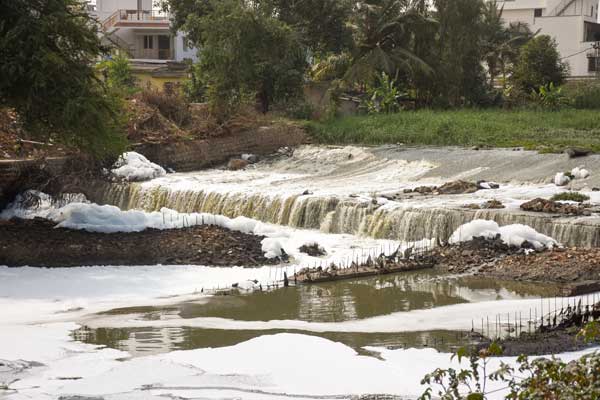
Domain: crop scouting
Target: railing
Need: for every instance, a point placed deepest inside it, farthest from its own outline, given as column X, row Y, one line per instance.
column 561, row 7
column 135, row 16
column 153, row 54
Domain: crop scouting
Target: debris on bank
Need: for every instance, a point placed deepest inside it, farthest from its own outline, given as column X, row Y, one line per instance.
column 555, row 207
column 454, row 187
column 400, row 261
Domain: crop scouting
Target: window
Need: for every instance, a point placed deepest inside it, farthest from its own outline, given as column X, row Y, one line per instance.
column 537, row 12
column 148, row 42
column 185, row 43
column 593, row 64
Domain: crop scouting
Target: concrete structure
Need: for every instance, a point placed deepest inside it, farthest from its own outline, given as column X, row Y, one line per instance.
column 141, row 31
column 573, row 23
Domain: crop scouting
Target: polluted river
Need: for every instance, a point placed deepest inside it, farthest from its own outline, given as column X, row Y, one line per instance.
column 254, row 331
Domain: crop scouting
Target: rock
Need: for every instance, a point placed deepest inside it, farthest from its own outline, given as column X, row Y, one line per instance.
column 595, row 189
column 457, row 187
column 488, row 205
column 251, row 158
column 312, row 249
column 574, row 152
column 553, row 207
column 307, row 192
column 407, row 191
column 424, row 189
column 235, row 164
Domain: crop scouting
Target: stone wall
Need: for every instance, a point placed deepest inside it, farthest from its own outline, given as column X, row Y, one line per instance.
column 19, row 175
column 198, row 154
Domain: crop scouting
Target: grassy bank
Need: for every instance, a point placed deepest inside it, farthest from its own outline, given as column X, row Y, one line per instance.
column 542, row 130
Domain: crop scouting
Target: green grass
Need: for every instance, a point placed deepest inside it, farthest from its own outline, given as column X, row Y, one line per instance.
column 547, row 131
column 570, row 196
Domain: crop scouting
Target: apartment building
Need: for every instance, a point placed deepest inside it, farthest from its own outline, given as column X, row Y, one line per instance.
column 573, row 23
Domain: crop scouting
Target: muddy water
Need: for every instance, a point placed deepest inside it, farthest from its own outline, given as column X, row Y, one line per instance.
column 329, row 302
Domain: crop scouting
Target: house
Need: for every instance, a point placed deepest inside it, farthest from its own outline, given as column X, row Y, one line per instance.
column 142, row 32
column 572, row 23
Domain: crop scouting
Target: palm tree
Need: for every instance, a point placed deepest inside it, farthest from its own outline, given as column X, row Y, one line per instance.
column 383, row 34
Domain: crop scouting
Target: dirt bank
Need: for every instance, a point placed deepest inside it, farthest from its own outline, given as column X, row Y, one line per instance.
column 578, row 269
column 38, row 243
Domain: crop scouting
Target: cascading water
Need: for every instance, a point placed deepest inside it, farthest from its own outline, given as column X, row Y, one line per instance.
column 339, row 190
column 330, row 214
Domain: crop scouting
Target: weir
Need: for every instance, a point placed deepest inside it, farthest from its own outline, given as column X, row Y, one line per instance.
column 336, row 214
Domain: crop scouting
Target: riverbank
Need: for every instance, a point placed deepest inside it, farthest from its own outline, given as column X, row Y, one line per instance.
column 38, row 243
column 547, row 131
column 577, row 270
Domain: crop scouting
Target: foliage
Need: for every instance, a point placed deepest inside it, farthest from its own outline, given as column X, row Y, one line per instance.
column 194, row 88
column 570, row 196
column 117, row 73
column 383, row 96
column 47, row 52
column 587, row 97
column 320, row 24
column 245, row 51
column 171, row 104
column 541, row 378
column 539, row 64
column 334, row 66
column 550, row 97
column 501, row 44
column 382, row 32
column 531, row 129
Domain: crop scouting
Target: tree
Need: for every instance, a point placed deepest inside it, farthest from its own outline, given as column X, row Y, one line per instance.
column 460, row 75
column 246, row 51
column 383, row 36
column 47, row 52
column 539, row 64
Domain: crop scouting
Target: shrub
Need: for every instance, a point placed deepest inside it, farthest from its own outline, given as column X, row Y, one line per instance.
column 570, row 196
column 170, row 104
column 587, row 98
column 550, row 97
column 117, row 73
column 383, row 96
column 539, row 64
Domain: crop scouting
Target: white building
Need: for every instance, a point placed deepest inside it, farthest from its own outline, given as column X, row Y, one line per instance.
column 141, row 30
column 573, row 23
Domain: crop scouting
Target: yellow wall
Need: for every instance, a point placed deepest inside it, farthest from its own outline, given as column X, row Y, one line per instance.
column 146, row 79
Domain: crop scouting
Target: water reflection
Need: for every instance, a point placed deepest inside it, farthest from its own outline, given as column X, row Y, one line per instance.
column 327, row 302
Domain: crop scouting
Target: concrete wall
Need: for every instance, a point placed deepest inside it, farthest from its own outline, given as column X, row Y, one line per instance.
column 198, row 154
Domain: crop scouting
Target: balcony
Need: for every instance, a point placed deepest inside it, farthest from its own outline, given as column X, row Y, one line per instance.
column 152, row 54
column 137, row 19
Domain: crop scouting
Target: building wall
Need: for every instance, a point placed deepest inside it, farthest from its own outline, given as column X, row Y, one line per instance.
column 182, row 52
column 104, row 8
column 567, row 29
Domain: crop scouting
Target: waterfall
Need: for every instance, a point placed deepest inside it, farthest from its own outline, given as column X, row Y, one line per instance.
column 334, row 215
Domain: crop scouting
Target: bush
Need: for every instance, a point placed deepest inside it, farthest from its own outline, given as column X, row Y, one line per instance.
column 117, row 74
column 170, row 104
column 539, row 64
column 550, row 97
column 587, row 98
column 383, row 96
column 570, row 196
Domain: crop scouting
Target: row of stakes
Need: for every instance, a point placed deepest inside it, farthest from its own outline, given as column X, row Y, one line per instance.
column 551, row 314
column 285, row 275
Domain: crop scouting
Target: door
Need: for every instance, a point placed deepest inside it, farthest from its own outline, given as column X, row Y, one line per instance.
column 164, row 47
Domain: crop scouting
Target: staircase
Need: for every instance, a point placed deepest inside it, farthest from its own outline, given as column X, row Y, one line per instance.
column 118, row 42
column 561, row 7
